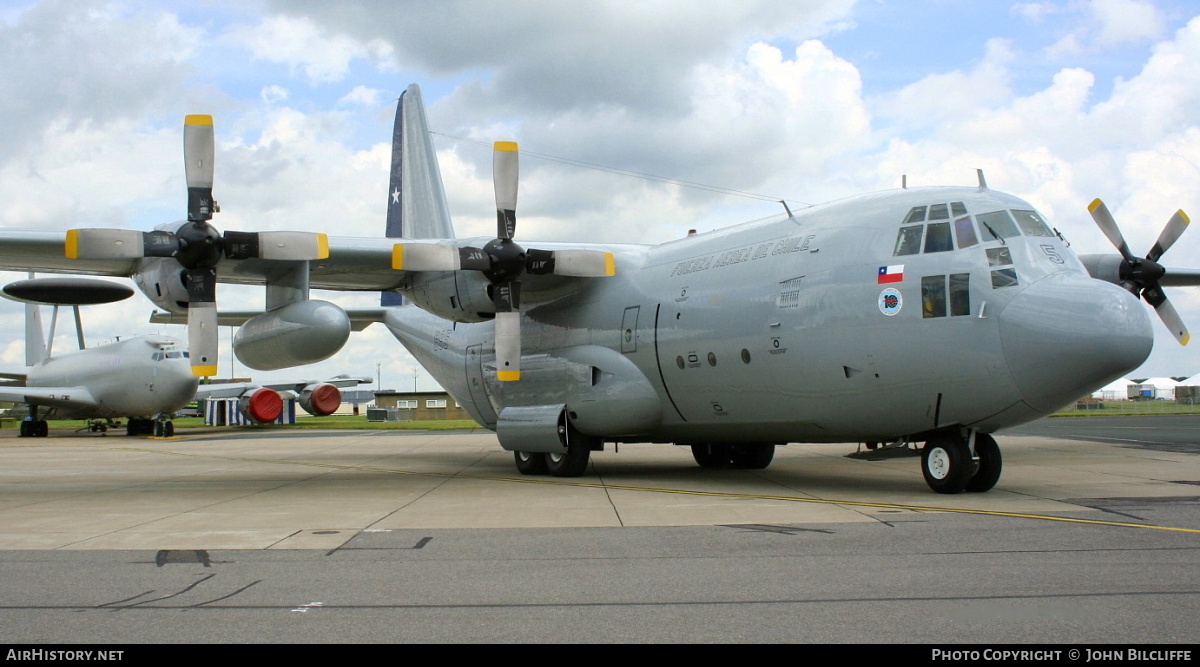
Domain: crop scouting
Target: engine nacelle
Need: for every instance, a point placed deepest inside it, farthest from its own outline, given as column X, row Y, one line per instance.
column 299, row 333
column 460, row 296
column 162, row 281
column 320, row 399
column 262, row 405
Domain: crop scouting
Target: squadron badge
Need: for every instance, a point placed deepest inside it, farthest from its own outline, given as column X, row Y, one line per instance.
column 890, row 301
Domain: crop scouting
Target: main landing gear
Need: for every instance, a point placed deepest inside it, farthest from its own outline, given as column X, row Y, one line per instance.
column 159, row 428
column 573, row 463
column 32, row 427
column 949, row 467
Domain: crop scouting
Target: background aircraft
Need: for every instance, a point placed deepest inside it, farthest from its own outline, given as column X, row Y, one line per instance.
column 143, row 378
column 935, row 315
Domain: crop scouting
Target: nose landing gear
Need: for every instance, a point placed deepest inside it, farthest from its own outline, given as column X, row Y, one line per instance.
column 952, row 462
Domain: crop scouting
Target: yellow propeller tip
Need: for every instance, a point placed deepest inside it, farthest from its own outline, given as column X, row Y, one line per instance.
column 72, row 246
column 197, row 119
column 505, row 145
column 1185, row 339
column 204, row 371
column 398, row 257
column 508, row 376
column 1096, row 203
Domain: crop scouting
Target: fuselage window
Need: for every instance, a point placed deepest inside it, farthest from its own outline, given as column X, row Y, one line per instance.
column 909, row 240
column 958, row 208
column 960, row 294
column 998, row 222
column 917, row 214
column 174, row 355
column 965, row 232
column 1031, row 223
column 939, row 212
column 933, row 296
column 1004, row 278
column 999, row 256
column 938, row 238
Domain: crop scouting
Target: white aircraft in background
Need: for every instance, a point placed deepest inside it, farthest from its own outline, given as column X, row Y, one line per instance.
column 145, row 379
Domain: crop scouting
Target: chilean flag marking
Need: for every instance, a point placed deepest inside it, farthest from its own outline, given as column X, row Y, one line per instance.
column 891, row 274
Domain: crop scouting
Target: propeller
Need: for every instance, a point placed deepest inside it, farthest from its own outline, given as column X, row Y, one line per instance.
column 197, row 245
column 1142, row 276
column 502, row 261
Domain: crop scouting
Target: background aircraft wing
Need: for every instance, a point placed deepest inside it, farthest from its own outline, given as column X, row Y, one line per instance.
column 235, row 389
column 66, row 397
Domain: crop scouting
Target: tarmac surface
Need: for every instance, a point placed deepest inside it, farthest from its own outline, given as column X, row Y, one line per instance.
column 393, row 536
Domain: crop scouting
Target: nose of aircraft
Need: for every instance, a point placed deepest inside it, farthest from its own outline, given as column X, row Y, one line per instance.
column 1068, row 334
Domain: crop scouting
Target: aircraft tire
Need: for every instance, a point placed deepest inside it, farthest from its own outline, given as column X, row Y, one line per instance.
column 990, row 463
column 24, row 429
column 42, row 429
column 169, row 429
column 712, row 454
column 530, row 463
column 572, row 464
column 752, row 456
column 946, row 464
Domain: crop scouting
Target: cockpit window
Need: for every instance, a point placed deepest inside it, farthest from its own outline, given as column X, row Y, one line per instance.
column 917, row 214
column 998, row 222
column 909, row 240
column 938, row 239
column 174, row 355
column 939, row 212
column 1031, row 223
column 965, row 232
column 157, row 356
column 958, row 208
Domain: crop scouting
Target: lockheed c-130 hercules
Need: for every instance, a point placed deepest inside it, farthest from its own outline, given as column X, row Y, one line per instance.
column 936, row 315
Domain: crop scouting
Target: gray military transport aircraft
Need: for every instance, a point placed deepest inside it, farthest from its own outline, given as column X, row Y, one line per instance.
column 143, row 378
column 936, row 315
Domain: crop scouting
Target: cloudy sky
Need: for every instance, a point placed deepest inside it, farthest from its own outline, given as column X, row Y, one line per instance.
column 1059, row 102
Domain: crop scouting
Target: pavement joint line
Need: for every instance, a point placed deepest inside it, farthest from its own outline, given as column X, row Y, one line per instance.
column 685, row 492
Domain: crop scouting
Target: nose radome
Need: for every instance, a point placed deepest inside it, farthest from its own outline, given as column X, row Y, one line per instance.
column 1067, row 335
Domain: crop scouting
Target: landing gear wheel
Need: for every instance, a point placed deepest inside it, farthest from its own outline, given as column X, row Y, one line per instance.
column 712, row 455
column 530, row 463
column 946, row 464
column 169, row 430
column 158, row 429
column 42, row 429
column 572, row 464
column 988, row 471
column 752, row 456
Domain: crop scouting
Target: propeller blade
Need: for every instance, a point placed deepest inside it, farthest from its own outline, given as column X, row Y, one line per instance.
column 202, row 320
column 504, row 177
column 429, row 257
column 198, row 154
column 1108, row 225
column 1155, row 296
column 1175, row 226
column 286, row 246
column 583, row 263
column 104, row 244
column 507, row 299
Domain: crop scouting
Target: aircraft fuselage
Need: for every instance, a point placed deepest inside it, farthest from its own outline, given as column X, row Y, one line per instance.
column 831, row 325
column 144, row 376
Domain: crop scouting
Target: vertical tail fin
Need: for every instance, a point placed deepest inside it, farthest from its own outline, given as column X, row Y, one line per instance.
column 35, row 338
column 416, row 199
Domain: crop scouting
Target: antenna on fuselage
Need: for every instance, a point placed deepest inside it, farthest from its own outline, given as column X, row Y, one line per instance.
column 785, row 207
column 982, row 180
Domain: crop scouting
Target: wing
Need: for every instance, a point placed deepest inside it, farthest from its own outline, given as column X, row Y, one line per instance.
column 353, row 264
column 63, row 397
column 235, row 389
